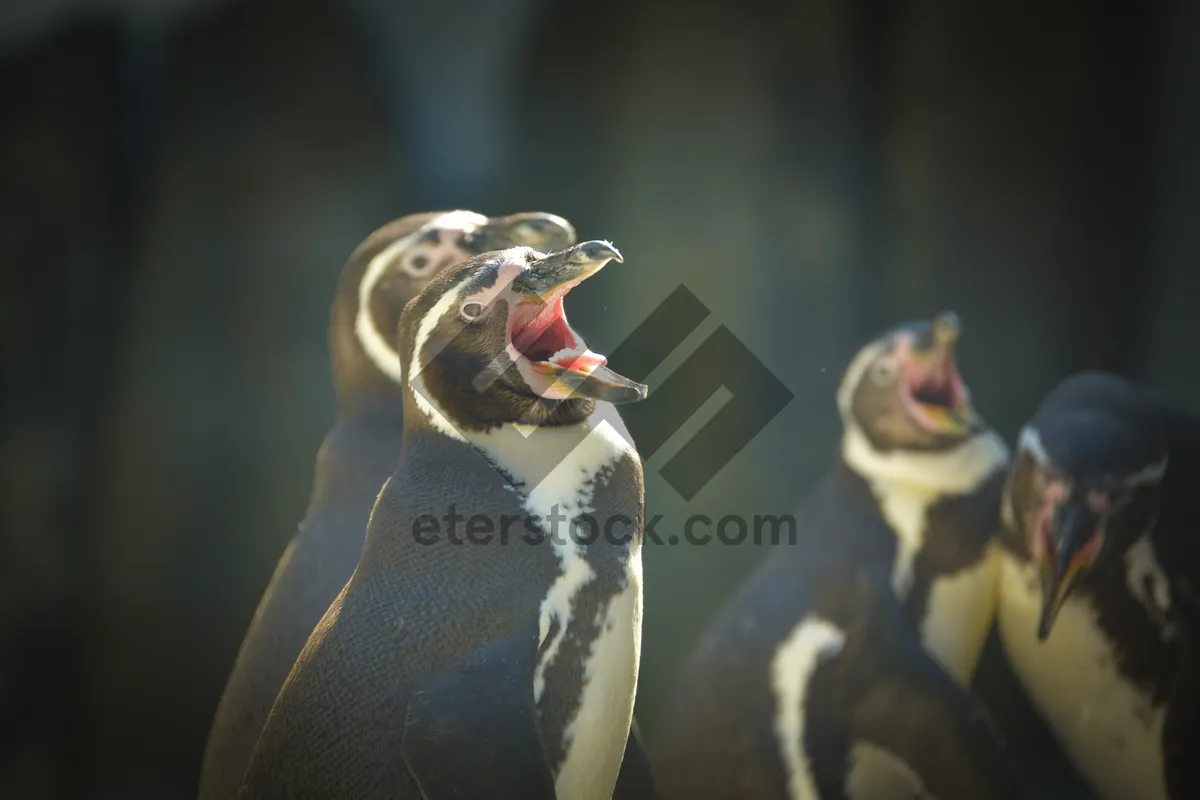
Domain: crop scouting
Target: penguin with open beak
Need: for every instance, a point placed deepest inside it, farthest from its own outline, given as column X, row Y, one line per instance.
column 383, row 273
column 839, row 670
column 1098, row 607
column 487, row 644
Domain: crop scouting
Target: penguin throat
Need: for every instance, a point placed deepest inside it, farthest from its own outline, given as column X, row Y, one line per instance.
column 539, row 332
column 933, row 389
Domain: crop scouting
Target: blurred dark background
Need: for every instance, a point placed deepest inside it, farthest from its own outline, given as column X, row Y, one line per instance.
column 182, row 180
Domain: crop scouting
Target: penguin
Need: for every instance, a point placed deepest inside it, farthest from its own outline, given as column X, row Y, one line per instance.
column 1098, row 602
column 838, row 670
column 382, row 274
column 488, row 642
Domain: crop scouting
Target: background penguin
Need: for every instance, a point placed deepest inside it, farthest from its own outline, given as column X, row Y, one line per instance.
column 1098, row 605
column 817, row 680
column 383, row 273
column 487, row 644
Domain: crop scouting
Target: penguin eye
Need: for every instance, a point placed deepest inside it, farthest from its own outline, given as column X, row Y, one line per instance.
column 471, row 310
column 884, row 371
column 417, row 264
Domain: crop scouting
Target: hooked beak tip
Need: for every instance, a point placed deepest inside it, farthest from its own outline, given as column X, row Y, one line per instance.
column 1054, row 592
column 947, row 327
column 566, row 268
column 599, row 250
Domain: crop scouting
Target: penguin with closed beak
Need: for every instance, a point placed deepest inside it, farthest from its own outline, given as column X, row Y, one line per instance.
column 382, row 274
column 839, row 669
column 1099, row 613
column 487, row 644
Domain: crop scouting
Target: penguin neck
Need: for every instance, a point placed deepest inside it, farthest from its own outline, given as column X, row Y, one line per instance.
column 906, row 483
column 366, row 371
column 546, row 464
column 365, row 398
column 363, row 393
column 957, row 471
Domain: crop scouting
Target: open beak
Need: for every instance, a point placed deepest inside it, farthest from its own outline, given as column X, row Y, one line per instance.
column 936, row 393
column 549, row 352
column 1070, row 544
column 543, row 232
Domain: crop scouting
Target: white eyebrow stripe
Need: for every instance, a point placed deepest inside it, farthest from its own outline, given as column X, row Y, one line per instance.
column 382, row 354
column 415, row 382
column 1151, row 473
column 512, row 263
column 378, row 348
column 1031, row 442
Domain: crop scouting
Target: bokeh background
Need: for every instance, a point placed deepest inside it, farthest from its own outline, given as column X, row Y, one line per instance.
column 182, row 180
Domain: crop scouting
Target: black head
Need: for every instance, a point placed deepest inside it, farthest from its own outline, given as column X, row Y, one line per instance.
column 903, row 391
column 487, row 342
column 394, row 264
column 1086, row 480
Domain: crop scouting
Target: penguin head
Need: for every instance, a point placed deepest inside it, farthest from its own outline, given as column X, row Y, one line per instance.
column 904, row 391
column 907, row 418
column 488, row 343
column 1086, row 481
column 397, row 261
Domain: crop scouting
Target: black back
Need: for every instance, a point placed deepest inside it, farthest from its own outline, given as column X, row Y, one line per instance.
column 408, row 611
column 356, row 457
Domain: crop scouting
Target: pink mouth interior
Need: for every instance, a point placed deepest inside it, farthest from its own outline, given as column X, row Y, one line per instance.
column 933, row 384
column 541, row 334
column 939, row 385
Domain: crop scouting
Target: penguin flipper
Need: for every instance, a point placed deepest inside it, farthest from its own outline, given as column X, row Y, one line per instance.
column 473, row 730
column 917, row 713
column 635, row 780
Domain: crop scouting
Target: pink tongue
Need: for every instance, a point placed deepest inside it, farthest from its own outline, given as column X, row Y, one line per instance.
column 580, row 362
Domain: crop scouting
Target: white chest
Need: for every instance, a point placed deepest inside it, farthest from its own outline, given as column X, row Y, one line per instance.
column 595, row 739
column 960, row 613
column 1108, row 728
column 558, row 477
